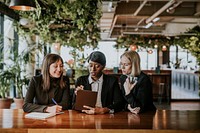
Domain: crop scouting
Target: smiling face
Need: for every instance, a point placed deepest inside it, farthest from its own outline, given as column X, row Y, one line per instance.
column 126, row 65
column 95, row 70
column 56, row 69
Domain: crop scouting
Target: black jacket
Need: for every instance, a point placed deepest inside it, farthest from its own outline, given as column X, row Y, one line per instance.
column 37, row 100
column 111, row 95
column 141, row 95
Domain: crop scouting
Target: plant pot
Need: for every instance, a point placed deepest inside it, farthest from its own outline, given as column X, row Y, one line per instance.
column 5, row 103
column 19, row 102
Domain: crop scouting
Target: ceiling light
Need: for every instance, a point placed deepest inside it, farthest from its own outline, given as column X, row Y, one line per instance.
column 171, row 9
column 156, row 19
column 155, row 46
column 150, row 51
column 133, row 47
column 160, row 11
column 164, row 48
column 148, row 25
column 22, row 5
column 136, row 29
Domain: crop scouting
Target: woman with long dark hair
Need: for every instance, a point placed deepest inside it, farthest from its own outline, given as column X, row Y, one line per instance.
column 48, row 92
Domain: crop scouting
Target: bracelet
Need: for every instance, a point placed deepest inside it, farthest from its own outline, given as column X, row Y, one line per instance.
column 111, row 111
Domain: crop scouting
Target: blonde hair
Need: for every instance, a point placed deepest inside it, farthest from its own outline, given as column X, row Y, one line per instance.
column 135, row 60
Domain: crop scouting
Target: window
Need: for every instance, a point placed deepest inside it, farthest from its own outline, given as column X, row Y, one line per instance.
column 1, row 38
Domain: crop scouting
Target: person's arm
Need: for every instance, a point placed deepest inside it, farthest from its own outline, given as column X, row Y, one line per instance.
column 128, row 92
column 118, row 100
column 78, row 83
column 96, row 110
column 141, row 94
column 29, row 105
column 144, row 95
column 130, row 97
column 116, row 104
column 65, row 95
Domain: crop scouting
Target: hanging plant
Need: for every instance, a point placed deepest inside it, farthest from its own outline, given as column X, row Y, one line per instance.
column 145, row 41
column 69, row 22
column 191, row 42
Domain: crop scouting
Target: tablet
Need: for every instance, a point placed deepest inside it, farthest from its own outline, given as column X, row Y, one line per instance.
column 85, row 97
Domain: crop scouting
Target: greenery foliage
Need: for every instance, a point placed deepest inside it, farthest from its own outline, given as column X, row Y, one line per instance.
column 72, row 23
column 190, row 41
column 145, row 41
column 14, row 74
column 19, row 66
column 5, row 82
column 5, row 75
column 19, row 73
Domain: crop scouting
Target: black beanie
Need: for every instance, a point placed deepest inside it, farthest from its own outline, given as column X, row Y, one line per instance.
column 98, row 57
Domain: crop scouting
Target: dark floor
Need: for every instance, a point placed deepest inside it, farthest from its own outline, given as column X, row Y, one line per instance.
column 181, row 99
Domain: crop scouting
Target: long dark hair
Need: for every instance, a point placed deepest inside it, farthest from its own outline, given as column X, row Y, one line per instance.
column 47, row 61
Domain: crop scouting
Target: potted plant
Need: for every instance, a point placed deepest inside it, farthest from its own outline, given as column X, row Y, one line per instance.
column 19, row 83
column 20, row 79
column 5, row 82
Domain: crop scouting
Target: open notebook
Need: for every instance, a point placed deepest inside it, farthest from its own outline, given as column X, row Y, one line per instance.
column 39, row 115
column 85, row 97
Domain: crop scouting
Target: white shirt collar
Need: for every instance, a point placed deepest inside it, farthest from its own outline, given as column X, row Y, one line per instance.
column 92, row 81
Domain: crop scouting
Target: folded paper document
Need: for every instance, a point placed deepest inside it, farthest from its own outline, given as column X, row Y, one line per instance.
column 39, row 115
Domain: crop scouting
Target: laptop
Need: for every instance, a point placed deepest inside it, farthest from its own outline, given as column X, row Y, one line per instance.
column 85, row 97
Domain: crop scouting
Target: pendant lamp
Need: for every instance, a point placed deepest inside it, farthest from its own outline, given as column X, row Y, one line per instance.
column 22, row 5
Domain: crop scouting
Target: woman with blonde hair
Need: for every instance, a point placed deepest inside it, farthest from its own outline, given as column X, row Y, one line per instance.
column 136, row 86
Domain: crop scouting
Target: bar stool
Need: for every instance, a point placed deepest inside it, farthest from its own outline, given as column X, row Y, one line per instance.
column 162, row 92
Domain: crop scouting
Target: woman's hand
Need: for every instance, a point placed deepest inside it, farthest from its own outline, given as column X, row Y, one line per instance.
column 78, row 88
column 54, row 109
column 96, row 110
column 135, row 110
column 128, row 86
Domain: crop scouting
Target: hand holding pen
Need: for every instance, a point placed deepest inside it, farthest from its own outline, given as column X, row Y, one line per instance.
column 58, row 107
column 54, row 101
column 54, row 109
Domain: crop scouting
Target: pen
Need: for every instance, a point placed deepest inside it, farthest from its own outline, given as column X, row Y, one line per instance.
column 54, row 101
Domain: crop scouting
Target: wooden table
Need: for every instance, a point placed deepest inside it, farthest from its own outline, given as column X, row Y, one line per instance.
column 72, row 121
